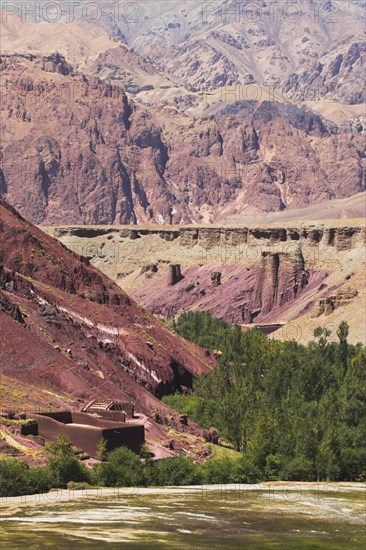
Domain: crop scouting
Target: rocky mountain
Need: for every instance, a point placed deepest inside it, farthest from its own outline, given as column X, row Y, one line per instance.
column 180, row 112
column 196, row 46
column 88, row 154
column 69, row 334
column 85, row 153
column 214, row 44
column 338, row 76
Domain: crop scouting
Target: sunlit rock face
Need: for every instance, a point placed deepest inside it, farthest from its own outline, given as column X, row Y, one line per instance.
column 87, row 153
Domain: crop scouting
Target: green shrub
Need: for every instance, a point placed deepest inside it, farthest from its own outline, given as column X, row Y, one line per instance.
column 102, row 449
column 63, row 470
column 299, row 469
column 145, row 452
column 39, row 480
column 220, row 470
column 247, row 471
column 274, row 464
column 178, row 470
column 123, row 469
column 63, row 465
column 13, row 477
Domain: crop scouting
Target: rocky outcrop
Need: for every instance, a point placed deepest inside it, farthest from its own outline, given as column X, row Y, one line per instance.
column 342, row 297
column 215, row 241
column 281, row 277
column 10, row 309
column 149, row 269
column 261, row 293
column 336, row 75
column 175, row 274
column 54, row 63
column 7, row 281
column 216, row 278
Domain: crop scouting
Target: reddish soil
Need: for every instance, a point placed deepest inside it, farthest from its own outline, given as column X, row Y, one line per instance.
column 68, row 334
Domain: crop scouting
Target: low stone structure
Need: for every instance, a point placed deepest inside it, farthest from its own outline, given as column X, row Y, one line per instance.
column 85, row 431
column 113, row 410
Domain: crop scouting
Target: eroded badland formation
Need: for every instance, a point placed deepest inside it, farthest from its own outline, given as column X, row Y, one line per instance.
column 297, row 276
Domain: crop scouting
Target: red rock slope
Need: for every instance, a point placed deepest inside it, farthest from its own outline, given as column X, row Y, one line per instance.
column 86, row 154
column 68, row 334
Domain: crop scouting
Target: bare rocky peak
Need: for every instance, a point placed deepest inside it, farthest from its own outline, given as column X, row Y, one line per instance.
column 337, row 76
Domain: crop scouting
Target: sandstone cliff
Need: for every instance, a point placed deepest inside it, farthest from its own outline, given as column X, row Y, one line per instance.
column 293, row 275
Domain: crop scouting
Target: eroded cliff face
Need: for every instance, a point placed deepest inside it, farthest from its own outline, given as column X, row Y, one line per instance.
column 87, row 154
column 336, row 75
column 213, row 238
column 83, row 153
column 281, row 277
column 248, row 275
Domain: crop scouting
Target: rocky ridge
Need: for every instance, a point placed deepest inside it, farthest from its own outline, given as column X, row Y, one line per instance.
column 87, row 154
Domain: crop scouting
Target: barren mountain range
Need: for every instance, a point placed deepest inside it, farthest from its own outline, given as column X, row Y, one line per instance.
column 179, row 112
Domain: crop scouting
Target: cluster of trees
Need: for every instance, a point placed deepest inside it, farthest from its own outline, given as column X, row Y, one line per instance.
column 295, row 412
column 121, row 468
column 18, row 478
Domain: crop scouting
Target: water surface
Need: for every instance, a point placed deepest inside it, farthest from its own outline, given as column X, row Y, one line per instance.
column 250, row 517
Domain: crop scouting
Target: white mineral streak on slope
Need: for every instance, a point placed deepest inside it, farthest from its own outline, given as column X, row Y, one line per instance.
column 113, row 331
column 77, row 317
column 41, row 301
column 152, row 373
column 147, row 327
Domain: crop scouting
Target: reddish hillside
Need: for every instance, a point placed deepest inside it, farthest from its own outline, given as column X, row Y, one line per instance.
column 69, row 334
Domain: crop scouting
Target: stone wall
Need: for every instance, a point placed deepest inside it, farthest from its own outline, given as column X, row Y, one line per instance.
column 85, row 431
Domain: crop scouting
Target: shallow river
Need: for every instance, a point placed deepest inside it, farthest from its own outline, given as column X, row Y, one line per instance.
column 308, row 516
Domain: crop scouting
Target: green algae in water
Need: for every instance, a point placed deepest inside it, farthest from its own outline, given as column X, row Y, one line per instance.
column 216, row 519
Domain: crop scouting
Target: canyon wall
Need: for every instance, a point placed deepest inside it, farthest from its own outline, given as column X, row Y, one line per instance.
column 249, row 275
column 227, row 244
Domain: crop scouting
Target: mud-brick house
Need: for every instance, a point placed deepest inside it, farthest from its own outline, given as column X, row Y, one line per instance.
column 85, row 430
